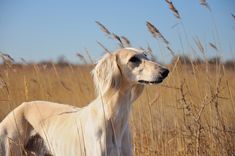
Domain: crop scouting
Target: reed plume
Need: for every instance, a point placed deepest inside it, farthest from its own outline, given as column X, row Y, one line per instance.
column 109, row 34
column 173, row 9
column 103, row 28
column 205, row 4
column 6, row 57
column 126, row 42
column 116, row 37
column 213, row 46
column 155, row 32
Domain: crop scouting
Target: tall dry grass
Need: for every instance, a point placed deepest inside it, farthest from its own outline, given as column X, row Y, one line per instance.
column 191, row 113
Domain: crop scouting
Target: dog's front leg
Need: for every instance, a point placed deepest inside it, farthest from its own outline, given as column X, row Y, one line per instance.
column 126, row 148
column 4, row 146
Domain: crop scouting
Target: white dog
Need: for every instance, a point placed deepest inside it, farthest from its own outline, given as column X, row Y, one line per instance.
column 99, row 129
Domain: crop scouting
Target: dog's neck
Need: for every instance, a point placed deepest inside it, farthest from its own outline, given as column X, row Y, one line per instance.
column 116, row 103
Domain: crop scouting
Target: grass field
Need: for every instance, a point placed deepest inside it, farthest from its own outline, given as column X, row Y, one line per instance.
column 191, row 113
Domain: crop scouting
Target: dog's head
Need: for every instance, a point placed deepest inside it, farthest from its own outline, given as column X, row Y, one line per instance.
column 137, row 68
column 129, row 65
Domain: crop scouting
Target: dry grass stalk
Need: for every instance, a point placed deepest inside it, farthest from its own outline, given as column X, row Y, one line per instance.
column 149, row 51
column 205, row 4
column 126, row 42
column 141, row 48
column 103, row 28
column 26, row 90
column 2, row 83
column 89, row 56
column 113, row 36
column 213, row 46
column 103, row 47
column 56, row 72
column 65, row 86
column 7, row 59
column 188, row 130
column 199, row 46
column 37, row 72
column 81, row 57
column 173, row 9
column 116, row 37
column 23, row 61
column 150, row 114
column 59, row 80
column 233, row 16
column 231, row 96
column 171, row 51
column 155, row 32
column 175, row 25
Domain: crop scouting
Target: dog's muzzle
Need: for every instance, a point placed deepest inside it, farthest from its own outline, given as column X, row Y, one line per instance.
column 162, row 75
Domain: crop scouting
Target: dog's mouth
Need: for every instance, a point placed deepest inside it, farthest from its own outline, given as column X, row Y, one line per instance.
column 150, row 82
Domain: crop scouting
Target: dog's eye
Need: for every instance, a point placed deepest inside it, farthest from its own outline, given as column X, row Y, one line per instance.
column 135, row 59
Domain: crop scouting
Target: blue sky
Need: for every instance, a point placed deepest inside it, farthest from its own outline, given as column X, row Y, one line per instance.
column 45, row 29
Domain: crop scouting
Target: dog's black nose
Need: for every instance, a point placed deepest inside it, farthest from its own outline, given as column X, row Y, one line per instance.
column 164, row 72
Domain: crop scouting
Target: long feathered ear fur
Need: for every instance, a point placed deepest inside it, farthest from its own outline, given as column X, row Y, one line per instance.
column 106, row 74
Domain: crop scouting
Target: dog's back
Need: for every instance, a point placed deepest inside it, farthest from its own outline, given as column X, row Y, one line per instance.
column 19, row 126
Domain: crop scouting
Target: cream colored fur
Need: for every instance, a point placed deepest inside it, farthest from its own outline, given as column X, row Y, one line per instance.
column 99, row 129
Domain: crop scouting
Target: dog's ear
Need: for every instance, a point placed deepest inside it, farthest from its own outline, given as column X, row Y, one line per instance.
column 106, row 74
